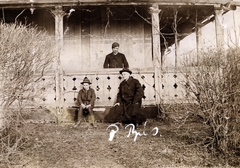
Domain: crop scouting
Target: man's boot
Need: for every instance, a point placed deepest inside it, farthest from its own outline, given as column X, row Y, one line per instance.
column 77, row 124
column 92, row 121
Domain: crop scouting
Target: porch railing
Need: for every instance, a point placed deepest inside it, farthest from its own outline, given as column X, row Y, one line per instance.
column 105, row 83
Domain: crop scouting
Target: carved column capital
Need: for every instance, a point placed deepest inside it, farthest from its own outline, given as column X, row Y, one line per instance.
column 58, row 11
column 154, row 9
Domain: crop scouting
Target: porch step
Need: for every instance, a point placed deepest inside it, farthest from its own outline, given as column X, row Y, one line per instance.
column 101, row 112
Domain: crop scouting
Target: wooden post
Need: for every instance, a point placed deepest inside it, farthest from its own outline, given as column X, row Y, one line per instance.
column 176, row 50
column 236, row 31
column 156, row 47
column 199, row 40
column 58, row 14
column 219, row 28
column 176, row 38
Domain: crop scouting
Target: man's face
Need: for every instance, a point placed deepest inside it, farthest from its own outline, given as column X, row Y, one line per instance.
column 86, row 86
column 115, row 50
column 125, row 75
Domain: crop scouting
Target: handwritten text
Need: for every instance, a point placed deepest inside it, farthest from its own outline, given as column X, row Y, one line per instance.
column 132, row 131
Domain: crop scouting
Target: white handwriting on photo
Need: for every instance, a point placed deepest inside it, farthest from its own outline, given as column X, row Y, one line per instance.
column 132, row 131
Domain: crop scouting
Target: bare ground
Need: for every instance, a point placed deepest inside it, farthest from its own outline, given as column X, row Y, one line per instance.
column 49, row 145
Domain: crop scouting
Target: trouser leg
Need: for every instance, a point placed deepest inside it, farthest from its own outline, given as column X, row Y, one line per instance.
column 80, row 115
column 136, row 117
column 91, row 117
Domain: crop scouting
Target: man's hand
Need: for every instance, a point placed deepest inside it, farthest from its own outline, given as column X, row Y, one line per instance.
column 83, row 105
column 87, row 106
column 117, row 104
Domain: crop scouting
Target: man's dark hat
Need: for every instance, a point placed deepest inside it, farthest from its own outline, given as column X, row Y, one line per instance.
column 115, row 44
column 125, row 70
column 86, row 80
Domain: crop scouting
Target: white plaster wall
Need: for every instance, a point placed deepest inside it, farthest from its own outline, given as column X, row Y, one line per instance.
column 187, row 46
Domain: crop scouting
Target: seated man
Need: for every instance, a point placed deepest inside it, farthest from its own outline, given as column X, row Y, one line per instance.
column 86, row 99
column 129, row 100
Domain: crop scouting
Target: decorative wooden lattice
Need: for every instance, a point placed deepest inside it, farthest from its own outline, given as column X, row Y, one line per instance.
column 106, row 88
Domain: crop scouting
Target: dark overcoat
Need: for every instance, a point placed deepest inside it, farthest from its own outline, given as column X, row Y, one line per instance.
column 130, row 91
column 130, row 98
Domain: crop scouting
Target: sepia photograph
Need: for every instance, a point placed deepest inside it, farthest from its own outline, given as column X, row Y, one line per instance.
column 119, row 83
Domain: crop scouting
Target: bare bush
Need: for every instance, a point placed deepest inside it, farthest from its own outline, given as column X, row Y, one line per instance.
column 214, row 86
column 26, row 54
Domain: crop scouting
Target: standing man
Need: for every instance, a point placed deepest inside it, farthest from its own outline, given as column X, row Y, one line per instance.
column 115, row 59
column 86, row 99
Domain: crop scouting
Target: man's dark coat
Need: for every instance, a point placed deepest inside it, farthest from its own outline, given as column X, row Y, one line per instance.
column 115, row 61
column 130, row 98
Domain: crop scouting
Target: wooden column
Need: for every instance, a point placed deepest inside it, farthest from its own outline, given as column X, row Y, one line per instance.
column 58, row 14
column 236, row 18
column 176, row 37
column 199, row 40
column 176, row 50
column 156, row 47
column 219, row 29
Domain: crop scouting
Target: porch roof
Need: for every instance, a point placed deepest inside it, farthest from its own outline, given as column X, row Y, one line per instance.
column 45, row 3
column 49, row 3
column 189, row 12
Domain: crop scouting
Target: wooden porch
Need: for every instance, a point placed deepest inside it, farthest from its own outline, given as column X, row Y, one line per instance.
column 145, row 30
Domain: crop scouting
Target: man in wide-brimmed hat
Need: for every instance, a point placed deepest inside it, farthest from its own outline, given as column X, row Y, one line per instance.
column 86, row 99
column 129, row 100
column 115, row 59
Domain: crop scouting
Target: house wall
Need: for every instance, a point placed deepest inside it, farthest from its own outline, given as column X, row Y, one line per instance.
column 87, row 39
column 187, row 47
column 88, row 35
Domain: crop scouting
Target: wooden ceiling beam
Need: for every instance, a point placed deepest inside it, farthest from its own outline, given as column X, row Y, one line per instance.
column 73, row 3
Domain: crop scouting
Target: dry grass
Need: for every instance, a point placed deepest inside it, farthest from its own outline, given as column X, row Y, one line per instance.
column 63, row 146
